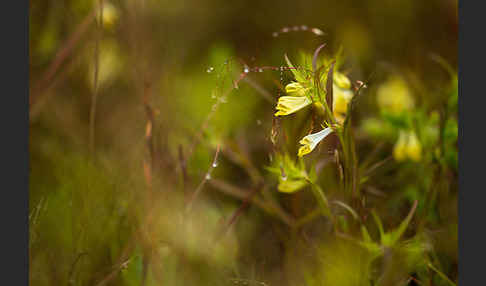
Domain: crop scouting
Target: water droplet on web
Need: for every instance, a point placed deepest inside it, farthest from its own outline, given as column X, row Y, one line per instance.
column 260, row 70
column 215, row 164
column 210, row 70
column 303, row 28
column 285, row 30
column 246, row 70
column 295, row 28
column 223, row 99
column 274, row 34
column 284, row 177
column 259, row 122
column 208, row 176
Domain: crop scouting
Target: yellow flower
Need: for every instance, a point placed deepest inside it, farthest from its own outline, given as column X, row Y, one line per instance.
column 110, row 15
column 289, row 104
column 341, row 99
column 295, row 87
column 408, row 147
column 341, row 80
column 310, row 141
column 400, row 149
column 414, row 148
column 395, row 96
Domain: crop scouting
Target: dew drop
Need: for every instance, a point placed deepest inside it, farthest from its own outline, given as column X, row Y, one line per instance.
column 303, row 28
column 275, row 34
column 259, row 122
column 260, row 70
column 295, row 28
column 285, row 30
column 208, row 176
column 215, row 164
column 246, row 70
column 284, row 177
column 210, row 70
column 317, row 31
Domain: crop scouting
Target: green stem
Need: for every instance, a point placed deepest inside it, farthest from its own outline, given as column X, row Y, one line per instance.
column 442, row 275
column 321, row 199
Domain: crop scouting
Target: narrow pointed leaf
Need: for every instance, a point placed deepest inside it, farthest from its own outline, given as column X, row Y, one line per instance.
column 298, row 75
column 397, row 233
column 329, row 92
column 316, row 54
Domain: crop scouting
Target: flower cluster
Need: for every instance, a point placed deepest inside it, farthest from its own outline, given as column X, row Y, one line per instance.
column 300, row 95
column 407, row 147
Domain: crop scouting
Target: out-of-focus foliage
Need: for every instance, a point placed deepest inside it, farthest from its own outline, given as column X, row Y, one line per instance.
column 156, row 157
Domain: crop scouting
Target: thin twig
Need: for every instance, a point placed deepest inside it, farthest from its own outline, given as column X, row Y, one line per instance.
column 207, row 177
column 60, row 57
column 262, row 91
column 377, row 165
column 265, row 205
column 239, row 211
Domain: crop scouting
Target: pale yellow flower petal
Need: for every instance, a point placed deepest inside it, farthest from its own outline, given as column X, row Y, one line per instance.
column 414, row 148
column 295, row 89
column 400, row 149
column 341, row 99
column 289, row 104
column 341, row 80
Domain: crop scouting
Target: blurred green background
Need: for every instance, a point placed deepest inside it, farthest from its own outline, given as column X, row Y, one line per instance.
column 110, row 183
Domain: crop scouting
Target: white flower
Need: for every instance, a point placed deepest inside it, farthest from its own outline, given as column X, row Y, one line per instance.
column 310, row 141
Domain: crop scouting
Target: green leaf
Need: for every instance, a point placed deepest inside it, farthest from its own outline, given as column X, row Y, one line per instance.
column 379, row 224
column 291, row 186
column 321, row 199
column 297, row 73
column 395, row 235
